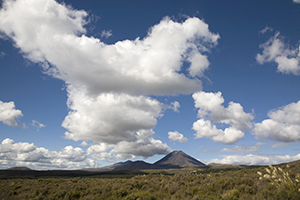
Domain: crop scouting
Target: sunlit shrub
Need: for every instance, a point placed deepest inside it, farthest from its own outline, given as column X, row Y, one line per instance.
column 140, row 195
column 231, row 195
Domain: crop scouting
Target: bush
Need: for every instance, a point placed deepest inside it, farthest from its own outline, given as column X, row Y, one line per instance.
column 140, row 195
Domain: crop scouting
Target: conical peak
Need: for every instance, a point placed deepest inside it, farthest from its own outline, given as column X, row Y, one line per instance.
column 179, row 158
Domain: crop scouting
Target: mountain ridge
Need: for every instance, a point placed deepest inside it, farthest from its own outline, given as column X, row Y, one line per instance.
column 173, row 160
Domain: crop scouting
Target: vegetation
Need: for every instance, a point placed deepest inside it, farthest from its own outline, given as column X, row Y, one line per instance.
column 217, row 182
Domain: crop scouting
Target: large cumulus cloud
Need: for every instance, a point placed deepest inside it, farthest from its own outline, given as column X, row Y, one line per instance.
column 109, row 85
column 283, row 124
column 51, row 33
column 211, row 112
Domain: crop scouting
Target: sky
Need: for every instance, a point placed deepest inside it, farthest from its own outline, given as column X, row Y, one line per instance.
column 90, row 83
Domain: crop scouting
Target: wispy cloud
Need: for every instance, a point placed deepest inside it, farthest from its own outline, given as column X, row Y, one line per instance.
column 175, row 106
column 266, row 29
column 252, row 159
column 2, row 54
column 37, row 124
column 241, row 149
column 275, row 50
column 279, row 145
column 106, row 34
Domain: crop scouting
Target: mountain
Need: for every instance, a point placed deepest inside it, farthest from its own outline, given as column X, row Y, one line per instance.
column 19, row 168
column 180, row 159
column 174, row 160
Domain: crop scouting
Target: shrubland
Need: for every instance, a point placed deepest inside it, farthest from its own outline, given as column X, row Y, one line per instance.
column 217, row 182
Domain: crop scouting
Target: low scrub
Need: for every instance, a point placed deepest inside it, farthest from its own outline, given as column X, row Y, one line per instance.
column 273, row 182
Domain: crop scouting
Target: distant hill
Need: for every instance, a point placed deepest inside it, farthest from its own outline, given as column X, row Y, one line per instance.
column 174, row 160
column 123, row 165
column 20, row 168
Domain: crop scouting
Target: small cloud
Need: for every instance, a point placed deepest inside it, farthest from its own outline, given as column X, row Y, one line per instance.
column 296, row 1
column 8, row 113
column 176, row 136
column 241, row 149
column 279, row 145
column 2, row 54
column 175, row 105
column 84, row 143
column 266, row 29
column 24, row 126
column 259, row 143
column 37, row 124
column 106, row 34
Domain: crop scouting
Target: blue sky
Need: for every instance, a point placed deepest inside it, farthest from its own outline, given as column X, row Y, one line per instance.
column 90, row 83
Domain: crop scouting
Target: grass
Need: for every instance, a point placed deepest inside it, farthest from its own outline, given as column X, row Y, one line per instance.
column 229, row 182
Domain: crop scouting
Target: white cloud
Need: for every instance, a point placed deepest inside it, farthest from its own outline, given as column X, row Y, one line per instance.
column 210, row 105
column 251, row 159
column 296, row 1
column 108, row 85
column 266, row 29
column 8, row 113
column 145, row 146
column 275, row 50
column 120, row 121
column 211, row 108
column 240, row 149
column 176, row 136
column 109, row 118
column 2, row 54
column 106, row 34
column 25, row 154
column 283, row 125
column 204, row 128
column 53, row 33
column 199, row 63
column 279, row 145
column 175, row 106
column 37, row 124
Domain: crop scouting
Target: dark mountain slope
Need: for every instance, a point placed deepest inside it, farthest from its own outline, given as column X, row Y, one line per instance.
column 134, row 165
column 180, row 159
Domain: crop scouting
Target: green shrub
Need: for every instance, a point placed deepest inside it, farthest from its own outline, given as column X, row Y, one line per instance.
column 73, row 194
column 231, row 195
column 140, row 195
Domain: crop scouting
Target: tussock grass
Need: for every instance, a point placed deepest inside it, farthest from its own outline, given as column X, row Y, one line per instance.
column 281, row 178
